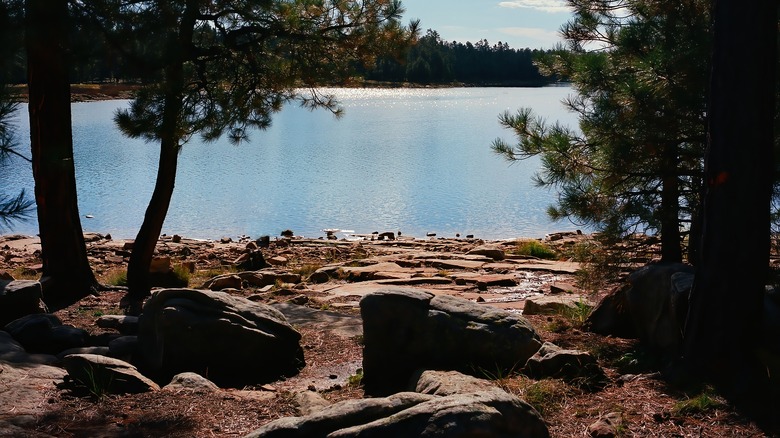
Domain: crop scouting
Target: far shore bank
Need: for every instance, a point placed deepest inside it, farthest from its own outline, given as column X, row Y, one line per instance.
column 91, row 92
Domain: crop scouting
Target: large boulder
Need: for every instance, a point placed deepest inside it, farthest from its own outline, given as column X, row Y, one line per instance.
column 45, row 333
column 405, row 329
column 495, row 252
column 651, row 306
column 576, row 367
column 230, row 340
column 19, row 298
column 12, row 351
column 482, row 411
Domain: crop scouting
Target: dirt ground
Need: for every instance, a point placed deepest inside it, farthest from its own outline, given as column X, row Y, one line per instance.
column 646, row 405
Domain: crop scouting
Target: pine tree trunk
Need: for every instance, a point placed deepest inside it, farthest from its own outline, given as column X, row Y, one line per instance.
column 138, row 277
column 671, row 240
column 67, row 276
column 725, row 310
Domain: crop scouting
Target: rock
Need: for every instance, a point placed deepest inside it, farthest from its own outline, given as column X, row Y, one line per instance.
column 323, row 274
column 160, row 265
column 44, row 333
column 101, row 351
column 444, row 383
column 554, row 304
column 190, row 382
column 485, row 281
column 226, row 281
column 13, row 352
column 493, row 251
column 106, row 375
column 573, row 366
column 124, row 324
column 366, row 273
column 19, row 298
column 405, row 329
column 123, row 348
column 651, row 305
column 563, row 288
column 309, row 402
column 389, row 235
column 231, row 340
column 606, row 426
column 26, row 387
column 268, row 277
column 277, row 261
column 491, row 413
column 253, row 260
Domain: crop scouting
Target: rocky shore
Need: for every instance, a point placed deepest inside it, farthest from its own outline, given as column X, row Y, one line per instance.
column 345, row 311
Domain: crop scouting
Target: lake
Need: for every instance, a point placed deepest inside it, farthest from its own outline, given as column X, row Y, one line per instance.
column 414, row 160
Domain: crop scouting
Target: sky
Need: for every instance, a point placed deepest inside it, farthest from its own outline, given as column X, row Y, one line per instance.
column 522, row 24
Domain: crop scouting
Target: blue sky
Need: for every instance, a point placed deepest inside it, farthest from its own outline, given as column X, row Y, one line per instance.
column 521, row 23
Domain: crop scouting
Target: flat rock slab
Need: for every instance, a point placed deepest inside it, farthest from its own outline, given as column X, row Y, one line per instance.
column 455, row 264
column 549, row 266
column 19, row 242
column 548, row 304
column 338, row 323
column 24, row 388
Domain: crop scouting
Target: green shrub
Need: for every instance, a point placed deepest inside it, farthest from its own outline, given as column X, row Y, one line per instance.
column 534, row 248
column 116, row 277
column 705, row 401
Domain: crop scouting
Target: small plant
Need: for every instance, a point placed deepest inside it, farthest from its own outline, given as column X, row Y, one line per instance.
column 181, row 275
column 636, row 361
column 578, row 314
column 534, row 248
column 97, row 383
column 307, row 269
column 705, row 401
column 356, row 379
column 23, row 273
column 443, row 273
column 116, row 277
column 546, row 396
column 599, row 266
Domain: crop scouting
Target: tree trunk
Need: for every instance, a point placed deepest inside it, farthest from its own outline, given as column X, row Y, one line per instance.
column 725, row 309
column 67, row 276
column 138, row 278
column 671, row 240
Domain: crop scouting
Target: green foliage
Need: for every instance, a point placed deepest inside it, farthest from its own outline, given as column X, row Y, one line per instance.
column 356, row 379
column 534, row 248
column 116, row 277
column 434, row 61
column 306, row 270
column 578, row 313
column 17, row 207
column 181, row 275
column 546, row 396
column 635, row 163
column 637, row 361
column 600, row 265
column 699, row 404
column 97, row 382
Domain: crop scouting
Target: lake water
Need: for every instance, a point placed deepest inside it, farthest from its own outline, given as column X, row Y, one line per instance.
column 414, row 160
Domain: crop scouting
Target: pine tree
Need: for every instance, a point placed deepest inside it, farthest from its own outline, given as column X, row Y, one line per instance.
column 224, row 67
column 639, row 70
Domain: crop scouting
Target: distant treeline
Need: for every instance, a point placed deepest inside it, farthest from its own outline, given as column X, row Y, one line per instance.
column 433, row 61
column 430, row 61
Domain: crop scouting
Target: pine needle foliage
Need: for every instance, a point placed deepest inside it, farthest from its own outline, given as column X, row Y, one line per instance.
column 639, row 71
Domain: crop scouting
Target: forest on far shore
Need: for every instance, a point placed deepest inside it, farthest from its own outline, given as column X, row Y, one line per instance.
column 429, row 61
